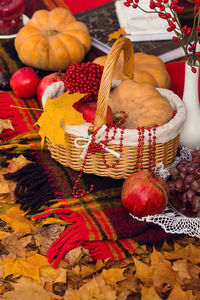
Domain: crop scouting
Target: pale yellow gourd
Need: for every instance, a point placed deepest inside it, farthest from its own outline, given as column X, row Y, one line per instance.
column 143, row 103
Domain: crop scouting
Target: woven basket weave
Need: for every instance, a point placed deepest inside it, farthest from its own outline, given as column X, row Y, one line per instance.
column 70, row 155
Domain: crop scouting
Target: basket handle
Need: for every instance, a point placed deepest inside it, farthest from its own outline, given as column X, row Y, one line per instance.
column 106, row 80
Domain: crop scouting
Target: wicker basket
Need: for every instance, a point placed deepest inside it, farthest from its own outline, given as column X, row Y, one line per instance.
column 165, row 152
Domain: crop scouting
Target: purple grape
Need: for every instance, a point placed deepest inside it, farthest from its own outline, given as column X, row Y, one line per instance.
column 171, row 185
column 182, row 167
column 189, row 178
column 195, row 185
column 184, row 198
column 186, row 186
column 190, row 195
column 174, row 171
column 197, row 172
column 196, row 153
column 196, row 204
column 196, row 160
column 191, row 168
column 182, row 176
column 178, row 185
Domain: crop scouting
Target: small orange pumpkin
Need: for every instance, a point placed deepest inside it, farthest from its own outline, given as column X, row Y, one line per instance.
column 52, row 40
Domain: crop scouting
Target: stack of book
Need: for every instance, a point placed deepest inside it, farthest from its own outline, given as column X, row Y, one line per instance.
column 104, row 20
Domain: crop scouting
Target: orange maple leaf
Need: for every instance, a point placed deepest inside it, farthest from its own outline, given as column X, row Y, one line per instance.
column 116, row 34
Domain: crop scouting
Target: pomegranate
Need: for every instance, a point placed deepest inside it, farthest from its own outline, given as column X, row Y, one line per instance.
column 24, row 82
column 144, row 193
column 88, row 111
column 45, row 82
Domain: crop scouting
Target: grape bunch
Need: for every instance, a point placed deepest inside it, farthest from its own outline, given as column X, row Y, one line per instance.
column 184, row 184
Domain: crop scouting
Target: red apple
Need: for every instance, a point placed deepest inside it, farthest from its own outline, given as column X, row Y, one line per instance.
column 45, row 82
column 24, row 82
column 88, row 111
column 144, row 193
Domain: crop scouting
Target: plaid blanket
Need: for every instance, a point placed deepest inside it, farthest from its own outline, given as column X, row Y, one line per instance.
column 96, row 221
column 22, row 120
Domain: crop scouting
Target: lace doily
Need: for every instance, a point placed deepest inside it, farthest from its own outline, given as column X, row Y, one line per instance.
column 171, row 220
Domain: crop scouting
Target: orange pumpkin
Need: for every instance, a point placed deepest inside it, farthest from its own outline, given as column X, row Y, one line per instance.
column 147, row 68
column 52, row 40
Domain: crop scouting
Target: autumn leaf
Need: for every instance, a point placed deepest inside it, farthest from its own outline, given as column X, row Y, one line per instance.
column 7, row 188
column 93, row 289
column 27, row 289
column 116, row 34
column 143, row 272
column 50, row 274
column 156, row 257
column 3, row 234
column 77, row 255
column 28, row 266
column 17, row 163
column 149, row 293
column 56, row 110
column 163, row 275
column 5, row 124
column 45, row 236
column 15, row 218
column 16, row 246
column 113, row 275
column 178, row 293
column 182, row 268
column 189, row 252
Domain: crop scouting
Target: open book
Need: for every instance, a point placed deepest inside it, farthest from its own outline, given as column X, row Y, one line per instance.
column 103, row 20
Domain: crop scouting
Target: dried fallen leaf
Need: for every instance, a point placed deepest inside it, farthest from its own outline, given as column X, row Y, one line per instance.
column 113, row 275
column 77, row 254
column 182, row 268
column 15, row 217
column 5, row 124
column 16, row 246
column 28, row 267
column 189, row 252
column 17, row 163
column 128, row 286
column 95, row 289
column 143, row 272
column 56, row 110
column 27, row 289
column 178, row 293
column 149, row 293
column 156, row 257
column 45, row 236
column 163, row 276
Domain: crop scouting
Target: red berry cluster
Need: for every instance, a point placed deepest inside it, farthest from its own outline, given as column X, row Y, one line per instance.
column 83, row 78
column 186, row 36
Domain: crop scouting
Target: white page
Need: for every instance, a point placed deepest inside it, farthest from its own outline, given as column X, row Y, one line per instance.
column 141, row 26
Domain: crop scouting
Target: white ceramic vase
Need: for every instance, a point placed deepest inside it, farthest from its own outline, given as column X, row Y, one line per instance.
column 190, row 135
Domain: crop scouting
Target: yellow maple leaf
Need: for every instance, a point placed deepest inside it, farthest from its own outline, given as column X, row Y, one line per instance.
column 15, row 217
column 56, row 110
column 28, row 267
column 116, row 34
column 113, row 275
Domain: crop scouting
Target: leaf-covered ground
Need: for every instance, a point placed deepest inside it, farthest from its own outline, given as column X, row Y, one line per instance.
column 167, row 271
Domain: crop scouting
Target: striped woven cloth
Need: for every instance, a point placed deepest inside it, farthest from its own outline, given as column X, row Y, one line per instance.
column 44, row 188
column 22, row 120
column 96, row 221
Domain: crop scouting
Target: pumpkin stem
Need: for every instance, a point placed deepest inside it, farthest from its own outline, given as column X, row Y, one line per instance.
column 51, row 32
